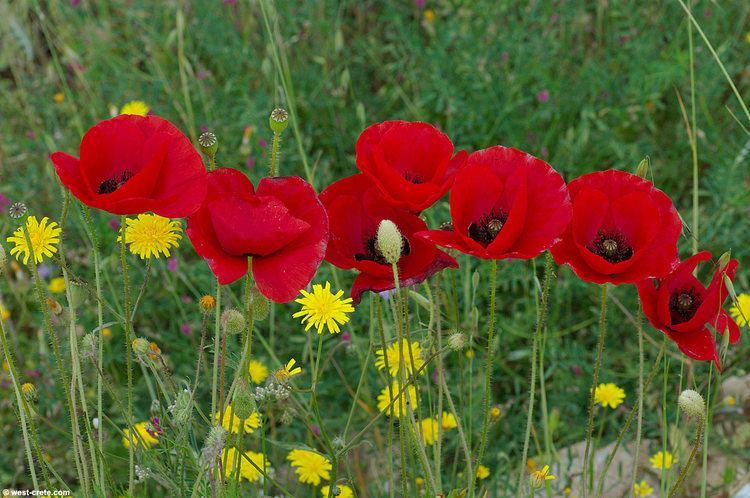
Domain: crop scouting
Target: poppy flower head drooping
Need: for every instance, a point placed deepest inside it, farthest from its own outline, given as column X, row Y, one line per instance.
column 505, row 204
column 412, row 163
column 355, row 209
column 679, row 305
column 135, row 164
column 282, row 225
column 623, row 229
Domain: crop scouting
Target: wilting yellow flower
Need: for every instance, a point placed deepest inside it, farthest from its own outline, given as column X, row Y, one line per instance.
column 324, row 308
column 137, row 107
column 151, row 235
column 4, row 313
column 142, row 437
column 56, row 285
column 530, row 465
column 258, row 371
column 59, row 98
column 448, row 421
column 311, row 467
column 495, row 412
column 393, row 354
column 429, row 429
column 233, row 425
column 740, row 311
column 344, row 491
column 483, row 472
column 609, row 395
column 44, row 236
column 538, row 477
column 247, row 470
column 155, row 351
column 288, row 371
column 399, row 401
column 661, row 460
column 642, row 489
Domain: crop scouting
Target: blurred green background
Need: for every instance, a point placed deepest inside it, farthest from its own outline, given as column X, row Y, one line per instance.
column 585, row 85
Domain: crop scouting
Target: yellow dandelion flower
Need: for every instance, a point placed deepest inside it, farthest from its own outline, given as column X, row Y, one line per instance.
column 448, row 421
column 393, row 353
column 642, row 489
column 730, row 401
column 344, row 491
column 483, row 472
column 419, row 481
column 740, row 311
column 399, row 400
column 28, row 388
column 56, row 285
column 258, row 371
column 470, row 354
column 137, row 107
column 495, row 412
column 246, row 468
column 310, row 466
column 538, row 477
column 207, row 303
column 151, row 235
column 231, row 422
column 143, row 436
column 44, row 236
column 567, row 491
column 288, row 371
column 107, row 332
column 59, row 98
column 662, row 460
column 429, row 429
column 4, row 313
column 429, row 15
column 324, row 308
column 609, row 395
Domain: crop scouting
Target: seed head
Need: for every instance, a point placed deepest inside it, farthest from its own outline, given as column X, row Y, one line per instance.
column 457, row 341
column 208, row 143
column 17, row 209
column 279, row 120
column 389, row 242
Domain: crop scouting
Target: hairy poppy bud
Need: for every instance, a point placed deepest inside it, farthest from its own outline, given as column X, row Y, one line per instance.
column 208, row 143
column 691, row 402
column 279, row 120
column 243, row 402
column 260, row 306
column 181, row 408
column 389, row 241
column 140, row 345
column 89, row 344
column 207, row 303
column 233, row 321
column 457, row 341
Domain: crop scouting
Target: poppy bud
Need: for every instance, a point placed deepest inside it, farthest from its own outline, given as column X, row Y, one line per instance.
column 207, row 303
column 208, row 143
column 243, row 402
column 457, row 341
column 389, row 241
column 642, row 169
column 89, row 345
column 140, row 345
column 691, row 402
column 29, row 392
column 260, row 306
column 233, row 321
column 279, row 120
column 724, row 259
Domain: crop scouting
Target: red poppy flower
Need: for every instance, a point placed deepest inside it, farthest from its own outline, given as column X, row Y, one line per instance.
column 133, row 164
column 681, row 307
column 282, row 225
column 355, row 209
column 411, row 163
column 623, row 230
column 505, row 204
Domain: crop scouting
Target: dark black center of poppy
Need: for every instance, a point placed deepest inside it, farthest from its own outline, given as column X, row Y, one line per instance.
column 372, row 254
column 611, row 246
column 415, row 178
column 683, row 303
column 117, row 181
column 486, row 229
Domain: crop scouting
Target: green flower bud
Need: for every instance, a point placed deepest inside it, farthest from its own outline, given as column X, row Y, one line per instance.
column 389, row 242
column 233, row 322
column 691, row 402
column 29, row 392
column 642, row 169
column 724, row 259
column 279, row 120
column 260, row 306
column 89, row 343
column 141, row 345
column 209, row 144
column 457, row 341
column 181, row 409
column 243, row 402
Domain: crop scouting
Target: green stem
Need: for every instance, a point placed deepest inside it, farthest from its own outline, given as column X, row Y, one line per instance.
column 689, row 463
column 128, row 348
column 641, row 390
column 540, row 324
column 706, row 430
column 487, row 376
column 594, row 383
column 274, row 154
column 217, row 350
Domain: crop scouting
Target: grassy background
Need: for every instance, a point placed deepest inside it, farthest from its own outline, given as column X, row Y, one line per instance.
column 584, row 85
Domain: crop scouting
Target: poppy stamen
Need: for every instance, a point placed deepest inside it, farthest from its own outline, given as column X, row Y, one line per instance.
column 117, row 181
column 683, row 303
column 414, row 178
column 611, row 246
column 488, row 227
